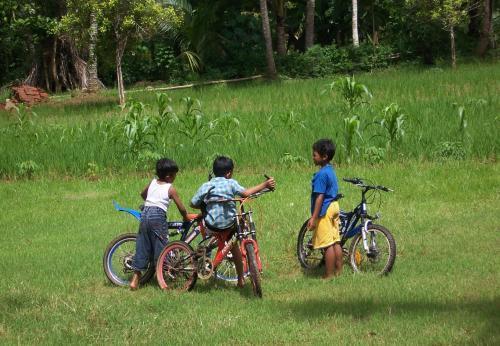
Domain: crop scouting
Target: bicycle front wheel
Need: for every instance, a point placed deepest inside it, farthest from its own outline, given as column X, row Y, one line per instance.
column 253, row 269
column 308, row 257
column 381, row 255
column 176, row 267
column 118, row 258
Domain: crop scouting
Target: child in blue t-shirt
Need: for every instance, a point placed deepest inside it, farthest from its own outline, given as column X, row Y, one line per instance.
column 325, row 211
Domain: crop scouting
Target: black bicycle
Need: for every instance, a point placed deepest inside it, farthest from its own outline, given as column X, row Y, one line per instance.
column 372, row 248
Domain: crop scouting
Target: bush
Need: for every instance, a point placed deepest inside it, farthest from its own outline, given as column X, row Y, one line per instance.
column 329, row 60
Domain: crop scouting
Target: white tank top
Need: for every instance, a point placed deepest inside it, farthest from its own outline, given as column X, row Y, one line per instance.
column 158, row 195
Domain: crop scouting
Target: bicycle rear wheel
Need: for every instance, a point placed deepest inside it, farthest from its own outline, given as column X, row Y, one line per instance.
column 308, row 257
column 176, row 267
column 253, row 269
column 117, row 261
column 382, row 255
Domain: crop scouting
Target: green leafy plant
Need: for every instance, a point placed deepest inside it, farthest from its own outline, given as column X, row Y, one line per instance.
column 374, row 154
column 137, row 127
column 193, row 125
column 351, row 131
column 291, row 121
column 449, row 151
column 392, row 122
column 27, row 169
column 147, row 158
column 23, row 116
column 291, row 160
column 93, row 170
column 353, row 93
column 228, row 127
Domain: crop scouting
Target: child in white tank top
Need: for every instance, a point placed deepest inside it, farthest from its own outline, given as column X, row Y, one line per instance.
column 153, row 230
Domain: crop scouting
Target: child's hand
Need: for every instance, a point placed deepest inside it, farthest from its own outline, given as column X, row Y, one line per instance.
column 312, row 224
column 270, row 183
column 190, row 217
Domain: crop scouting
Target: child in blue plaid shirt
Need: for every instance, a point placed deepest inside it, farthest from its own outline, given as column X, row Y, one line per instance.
column 220, row 217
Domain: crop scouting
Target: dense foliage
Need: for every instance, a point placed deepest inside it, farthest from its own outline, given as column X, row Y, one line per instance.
column 206, row 39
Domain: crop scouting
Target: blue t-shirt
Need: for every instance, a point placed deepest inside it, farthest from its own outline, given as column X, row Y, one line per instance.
column 324, row 182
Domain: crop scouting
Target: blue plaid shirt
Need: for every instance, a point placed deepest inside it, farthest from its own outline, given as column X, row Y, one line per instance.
column 219, row 215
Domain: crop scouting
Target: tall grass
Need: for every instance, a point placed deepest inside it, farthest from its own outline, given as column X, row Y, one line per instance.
column 71, row 135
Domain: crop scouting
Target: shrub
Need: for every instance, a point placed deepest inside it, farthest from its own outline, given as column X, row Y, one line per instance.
column 450, row 151
column 329, row 60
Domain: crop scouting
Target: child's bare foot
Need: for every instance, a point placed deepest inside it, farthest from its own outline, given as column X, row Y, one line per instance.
column 241, row 283
column 134, row 283
column 327, row 277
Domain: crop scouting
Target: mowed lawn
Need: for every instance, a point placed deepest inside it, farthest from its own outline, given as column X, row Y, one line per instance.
column 444, row 288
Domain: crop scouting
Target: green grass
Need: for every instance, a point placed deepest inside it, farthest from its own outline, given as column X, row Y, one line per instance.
column 443, row 288
column 70, row 134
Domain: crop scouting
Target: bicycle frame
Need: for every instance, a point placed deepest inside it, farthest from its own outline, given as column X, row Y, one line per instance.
column 350, row 226
column 178, row 227
column 245, row 233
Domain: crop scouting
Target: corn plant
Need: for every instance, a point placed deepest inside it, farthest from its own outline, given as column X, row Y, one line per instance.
column 392, row 122
column 353, row 93
column 350, row 132
column 23, row 116
column 462, row 123
column 291, row 160
column 193, row 125
column 291, row 121
column 27, row 168
column 228, row 127
column 137, row 128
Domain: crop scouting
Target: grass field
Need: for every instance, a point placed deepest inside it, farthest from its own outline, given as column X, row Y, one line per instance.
column 444, row 288
column 261, row 124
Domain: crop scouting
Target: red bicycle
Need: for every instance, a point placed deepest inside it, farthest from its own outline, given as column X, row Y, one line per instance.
column 179, row 266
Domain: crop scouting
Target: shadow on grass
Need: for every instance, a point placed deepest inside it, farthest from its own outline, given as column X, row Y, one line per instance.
column 486, row 312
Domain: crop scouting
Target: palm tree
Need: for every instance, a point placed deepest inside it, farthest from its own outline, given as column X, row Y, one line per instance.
column 266, row 29
column 309, row 40
column 355, row 37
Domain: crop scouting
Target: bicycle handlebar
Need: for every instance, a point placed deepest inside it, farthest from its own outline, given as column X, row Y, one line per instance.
column 359, row 182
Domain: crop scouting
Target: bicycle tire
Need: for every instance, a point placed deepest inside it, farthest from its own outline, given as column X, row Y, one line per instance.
column 176, row 267
column 253, row 269
column 308, row 257
column 117, row 261
column 383, row 261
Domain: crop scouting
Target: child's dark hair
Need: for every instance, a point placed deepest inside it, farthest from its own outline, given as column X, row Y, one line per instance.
column 222, row 166
column 326, row 147
column 165, row 167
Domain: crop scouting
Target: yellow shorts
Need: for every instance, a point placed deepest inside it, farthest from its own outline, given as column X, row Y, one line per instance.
column 327, row 231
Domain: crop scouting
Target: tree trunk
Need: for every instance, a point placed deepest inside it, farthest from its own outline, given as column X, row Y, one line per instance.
column 53, row 67
column 121, row 43
column 374, row 27
column 453, row 50
column 486, row 29
column 355, row 36
column 310, row 8
column 93, row 82
column 280, row 28
column 266, row 30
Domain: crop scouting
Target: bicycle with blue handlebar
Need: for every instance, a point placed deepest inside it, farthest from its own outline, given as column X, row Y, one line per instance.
column 372, row 248
column 119, row 254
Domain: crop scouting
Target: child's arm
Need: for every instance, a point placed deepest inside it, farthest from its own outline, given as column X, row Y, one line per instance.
column 269, row 183
column 313, row 221
column 172, row 193
column 144, row 193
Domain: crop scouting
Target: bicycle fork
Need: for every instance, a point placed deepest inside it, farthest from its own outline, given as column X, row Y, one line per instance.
column 370, row 245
